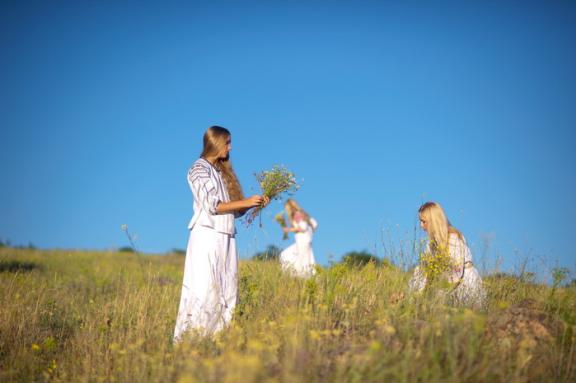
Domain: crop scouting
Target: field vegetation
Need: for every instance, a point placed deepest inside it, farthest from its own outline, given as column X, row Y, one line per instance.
column 73, row 316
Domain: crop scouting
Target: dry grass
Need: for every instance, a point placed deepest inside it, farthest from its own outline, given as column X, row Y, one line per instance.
column 109, row 317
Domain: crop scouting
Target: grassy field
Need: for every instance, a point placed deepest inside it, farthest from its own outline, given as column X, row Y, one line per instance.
column 109, row 317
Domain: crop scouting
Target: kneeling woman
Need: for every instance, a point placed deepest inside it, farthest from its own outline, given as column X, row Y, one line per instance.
column 447, row 258
column 298, row 258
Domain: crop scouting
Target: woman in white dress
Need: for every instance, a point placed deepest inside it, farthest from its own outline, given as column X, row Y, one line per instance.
column 209, row 288
column 447, row 258
column 298, row 258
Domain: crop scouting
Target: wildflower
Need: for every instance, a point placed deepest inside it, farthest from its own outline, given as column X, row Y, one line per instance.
column 436, row 264
column 35, row 347
column 52, row 366
column 314, row 335
column 49, row 343
column 375, row 346
column 273, row 183
column 388, row 330
column 282, row 221
column 131, row 237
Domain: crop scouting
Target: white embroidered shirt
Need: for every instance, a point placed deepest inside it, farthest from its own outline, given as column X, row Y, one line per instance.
column 209, row 190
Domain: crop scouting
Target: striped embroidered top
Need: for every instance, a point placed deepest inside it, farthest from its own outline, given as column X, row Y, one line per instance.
column 209, row 190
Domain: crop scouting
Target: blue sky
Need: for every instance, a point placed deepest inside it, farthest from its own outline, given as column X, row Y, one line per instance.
column 376, row 106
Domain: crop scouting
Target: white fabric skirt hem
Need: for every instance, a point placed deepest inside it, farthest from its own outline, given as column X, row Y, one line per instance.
column 209, row 287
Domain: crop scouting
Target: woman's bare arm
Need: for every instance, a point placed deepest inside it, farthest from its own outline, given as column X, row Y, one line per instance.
column 242, row 205
column 291, row 229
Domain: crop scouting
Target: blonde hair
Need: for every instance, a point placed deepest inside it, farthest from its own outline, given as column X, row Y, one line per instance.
column 292, row 208
column 215, row 139
column 439, row 228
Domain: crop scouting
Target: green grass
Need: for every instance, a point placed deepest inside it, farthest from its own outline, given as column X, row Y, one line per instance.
column 109, row 317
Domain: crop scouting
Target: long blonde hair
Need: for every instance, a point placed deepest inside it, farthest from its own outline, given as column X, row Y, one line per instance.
column 439, row 228
column 215, row 139
column 292, row 208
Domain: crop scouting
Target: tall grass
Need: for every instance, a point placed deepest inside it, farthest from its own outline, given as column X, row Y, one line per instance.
column 109, row 317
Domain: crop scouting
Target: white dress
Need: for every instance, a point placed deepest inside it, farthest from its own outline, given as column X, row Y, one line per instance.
column 468, row 290
column 298, row 258
column 209, row 288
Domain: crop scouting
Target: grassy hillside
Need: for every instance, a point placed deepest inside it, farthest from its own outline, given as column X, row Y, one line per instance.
column 109, row 317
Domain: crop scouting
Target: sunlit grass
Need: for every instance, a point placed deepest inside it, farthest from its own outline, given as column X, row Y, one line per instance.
column 109, row 317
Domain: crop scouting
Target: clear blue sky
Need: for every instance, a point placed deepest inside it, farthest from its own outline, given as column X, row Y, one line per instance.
column 376, row 106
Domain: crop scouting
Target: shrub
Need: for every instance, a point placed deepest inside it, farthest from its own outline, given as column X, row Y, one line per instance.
column 360, row 259
column 272, row 253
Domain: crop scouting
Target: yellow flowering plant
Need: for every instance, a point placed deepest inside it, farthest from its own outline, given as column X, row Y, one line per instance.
column 436, row 265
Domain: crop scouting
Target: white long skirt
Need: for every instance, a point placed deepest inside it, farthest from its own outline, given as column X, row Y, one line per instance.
column 298, row 259
column 210, row 285
column 470, row 291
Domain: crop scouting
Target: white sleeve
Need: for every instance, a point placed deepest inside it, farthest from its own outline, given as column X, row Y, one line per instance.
column 203, row 188
column 313, row 223
column 458, row 250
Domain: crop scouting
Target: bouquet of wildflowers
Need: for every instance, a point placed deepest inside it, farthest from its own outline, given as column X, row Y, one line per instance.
column 282, row 221
column 273, row 183
column 436, row 264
